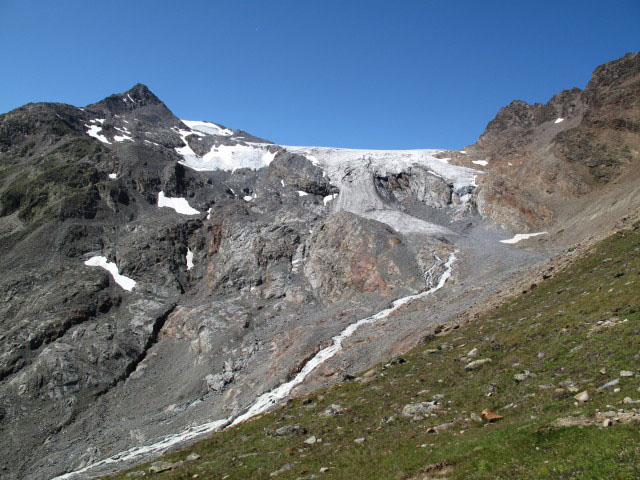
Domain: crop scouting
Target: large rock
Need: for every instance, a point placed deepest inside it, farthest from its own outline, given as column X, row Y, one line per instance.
column 349, row 253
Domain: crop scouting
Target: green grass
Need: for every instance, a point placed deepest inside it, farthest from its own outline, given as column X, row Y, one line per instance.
column 58, row 186
column 545, row 331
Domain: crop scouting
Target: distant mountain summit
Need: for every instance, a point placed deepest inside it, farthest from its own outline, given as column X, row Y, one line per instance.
column 164, row 278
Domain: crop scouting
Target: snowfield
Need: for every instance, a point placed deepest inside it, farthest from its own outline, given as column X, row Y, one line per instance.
column 94, row 130
column 521, row 236
column 208, row 128
column 180, row 205
column 189, row 259
column 99, row 261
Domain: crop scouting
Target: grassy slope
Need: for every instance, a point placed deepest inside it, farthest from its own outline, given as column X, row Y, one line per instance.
column 555, row 318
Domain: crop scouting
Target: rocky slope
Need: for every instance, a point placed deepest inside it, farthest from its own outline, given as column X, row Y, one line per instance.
column 542, row 386
column 234, row 261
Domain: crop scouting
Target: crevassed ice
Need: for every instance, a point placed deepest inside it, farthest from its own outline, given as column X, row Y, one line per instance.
column 99, row 261
column 333, row 161
column 521, row 236
column 180, row 205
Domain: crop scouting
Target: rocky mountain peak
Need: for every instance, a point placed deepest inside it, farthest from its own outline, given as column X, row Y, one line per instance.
column 616, row 71
column 139, row 97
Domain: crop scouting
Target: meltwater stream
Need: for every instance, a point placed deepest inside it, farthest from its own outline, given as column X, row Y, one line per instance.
column 266, row 400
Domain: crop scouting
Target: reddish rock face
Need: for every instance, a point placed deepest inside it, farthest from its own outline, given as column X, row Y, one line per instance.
column 349, row 253
column 543, row 157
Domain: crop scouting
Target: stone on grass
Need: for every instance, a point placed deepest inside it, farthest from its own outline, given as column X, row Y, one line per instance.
column 359, row 440
column 333, row 410
column 626, row 373
column 582, row 397
column 522, row 376
column 490, row 416
column 418, row 410
column 311, row 440
column 160, row 466
column 290, row 430
column 192, row 456
column 284, row 468
column 476, row 364
column 609, row 384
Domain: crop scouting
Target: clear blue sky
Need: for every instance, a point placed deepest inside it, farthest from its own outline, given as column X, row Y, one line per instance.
column 362, row 74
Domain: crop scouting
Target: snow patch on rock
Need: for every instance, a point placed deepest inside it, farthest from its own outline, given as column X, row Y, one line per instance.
column 99, row 261
column 189, row 259
column 94, row 131
column 208, row 128
column 521, row 236
column 180, row 205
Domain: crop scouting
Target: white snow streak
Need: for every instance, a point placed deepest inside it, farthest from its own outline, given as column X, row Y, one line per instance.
column 99, row 261
column 482, row 163
column 156, row 448
column 180, row 205
column 271, row 398
column 558, row 120
column 189, row 259
column 521, row 236
column 113, row 176
column 302, row 194
column 247, row 198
